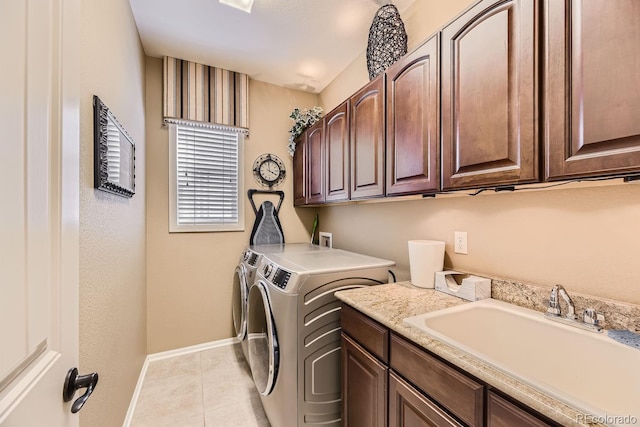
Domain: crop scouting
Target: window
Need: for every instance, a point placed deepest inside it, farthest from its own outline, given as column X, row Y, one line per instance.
column 205, row 173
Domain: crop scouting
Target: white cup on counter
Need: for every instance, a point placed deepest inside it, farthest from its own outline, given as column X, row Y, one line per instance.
column 426, row 257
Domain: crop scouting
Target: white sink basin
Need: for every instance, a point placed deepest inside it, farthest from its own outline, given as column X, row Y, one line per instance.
column 588, row 371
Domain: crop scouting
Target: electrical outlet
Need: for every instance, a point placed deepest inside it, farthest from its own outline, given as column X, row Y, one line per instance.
column 460, row 242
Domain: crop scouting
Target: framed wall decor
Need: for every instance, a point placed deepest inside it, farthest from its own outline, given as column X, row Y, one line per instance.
column 114, row 153
column 269, row 170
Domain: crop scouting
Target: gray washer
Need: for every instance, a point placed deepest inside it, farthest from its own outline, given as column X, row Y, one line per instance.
column 244, row 277
column 294, row 331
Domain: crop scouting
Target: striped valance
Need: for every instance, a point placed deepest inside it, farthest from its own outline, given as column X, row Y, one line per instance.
column 201, row 93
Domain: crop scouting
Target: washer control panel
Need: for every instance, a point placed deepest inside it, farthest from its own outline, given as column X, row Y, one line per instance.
column 281, row 278
column 250, row 257
column 276, row 275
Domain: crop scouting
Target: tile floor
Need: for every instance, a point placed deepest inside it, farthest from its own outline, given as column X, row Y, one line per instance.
column 210, row 388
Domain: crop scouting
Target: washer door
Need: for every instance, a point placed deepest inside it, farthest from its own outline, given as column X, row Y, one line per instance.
column 239, row 309
column 262, row 339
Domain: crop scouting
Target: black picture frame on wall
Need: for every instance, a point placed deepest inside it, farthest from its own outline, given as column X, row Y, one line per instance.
column 114, row 153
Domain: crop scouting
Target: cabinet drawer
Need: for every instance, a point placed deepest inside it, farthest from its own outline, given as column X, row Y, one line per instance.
column 452, row 389
column 502, row 413
column 367, row 332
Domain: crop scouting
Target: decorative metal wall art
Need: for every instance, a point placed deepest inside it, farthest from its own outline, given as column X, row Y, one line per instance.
column 387, row 40
column 114, row 153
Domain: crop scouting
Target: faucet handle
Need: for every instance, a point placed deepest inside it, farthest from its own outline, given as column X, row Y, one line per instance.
column 591, row 317
column 554, row 304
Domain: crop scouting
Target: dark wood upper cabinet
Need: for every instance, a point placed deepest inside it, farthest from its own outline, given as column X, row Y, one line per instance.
column 509, row 92
column 300, row 173
column 315, row 163
column 413, row 127
column 367, row 140
column 490, row 95
column 592, row 81
column 337, row 153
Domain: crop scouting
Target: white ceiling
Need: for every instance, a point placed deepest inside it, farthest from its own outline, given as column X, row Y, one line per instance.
column 301, row 44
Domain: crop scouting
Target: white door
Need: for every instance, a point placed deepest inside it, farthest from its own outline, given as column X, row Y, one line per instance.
column 39, row 145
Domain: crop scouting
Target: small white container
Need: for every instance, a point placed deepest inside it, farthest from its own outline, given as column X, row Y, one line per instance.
column 426, row 257
column 465, row 286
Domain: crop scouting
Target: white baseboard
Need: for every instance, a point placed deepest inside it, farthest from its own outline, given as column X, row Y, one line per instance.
column 166, row 355
column 191, row 349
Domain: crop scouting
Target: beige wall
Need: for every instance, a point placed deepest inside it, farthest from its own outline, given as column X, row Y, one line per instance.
column 112, row 228
column 582, row 238
column 189, row 275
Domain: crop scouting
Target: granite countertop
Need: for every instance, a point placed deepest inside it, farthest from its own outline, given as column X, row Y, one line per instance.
column 391, row 303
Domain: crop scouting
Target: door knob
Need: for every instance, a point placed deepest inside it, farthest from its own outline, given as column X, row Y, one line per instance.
column 73, row 383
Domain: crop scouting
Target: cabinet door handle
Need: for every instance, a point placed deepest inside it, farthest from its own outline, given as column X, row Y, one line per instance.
column 73, row 383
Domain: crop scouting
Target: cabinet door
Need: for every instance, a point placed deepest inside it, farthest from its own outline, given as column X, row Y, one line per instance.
column 315, row 163
column 454, row 390
column 300, row 173
column 592, row 81
column 367, row 140
column 413, row 127
column 337, row 153
column 501, row 413
column 410, row 408
column 489, row 95
column 364, row 387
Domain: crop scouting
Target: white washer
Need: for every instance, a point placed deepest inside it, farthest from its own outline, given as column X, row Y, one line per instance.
column 294, row 331
column 244, row 276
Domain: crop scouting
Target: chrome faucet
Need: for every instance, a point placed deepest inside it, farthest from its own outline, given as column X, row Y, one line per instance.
column 554, row 304
column 590, row 317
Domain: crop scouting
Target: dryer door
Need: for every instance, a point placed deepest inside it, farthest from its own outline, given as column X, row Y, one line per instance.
column 262, row 339
column 239, row 309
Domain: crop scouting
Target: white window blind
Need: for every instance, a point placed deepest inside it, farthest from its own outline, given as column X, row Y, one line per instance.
column 206, row 179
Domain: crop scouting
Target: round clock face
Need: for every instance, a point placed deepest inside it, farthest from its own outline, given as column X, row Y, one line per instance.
column 269, row 170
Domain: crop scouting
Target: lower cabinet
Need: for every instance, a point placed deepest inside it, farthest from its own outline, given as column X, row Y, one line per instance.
column 389, row 381
column 410, row 408
column 364, row 391
column 452, row 389
column 502, row 413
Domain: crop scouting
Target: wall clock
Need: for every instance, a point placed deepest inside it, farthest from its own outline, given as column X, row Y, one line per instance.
column 269, row 170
